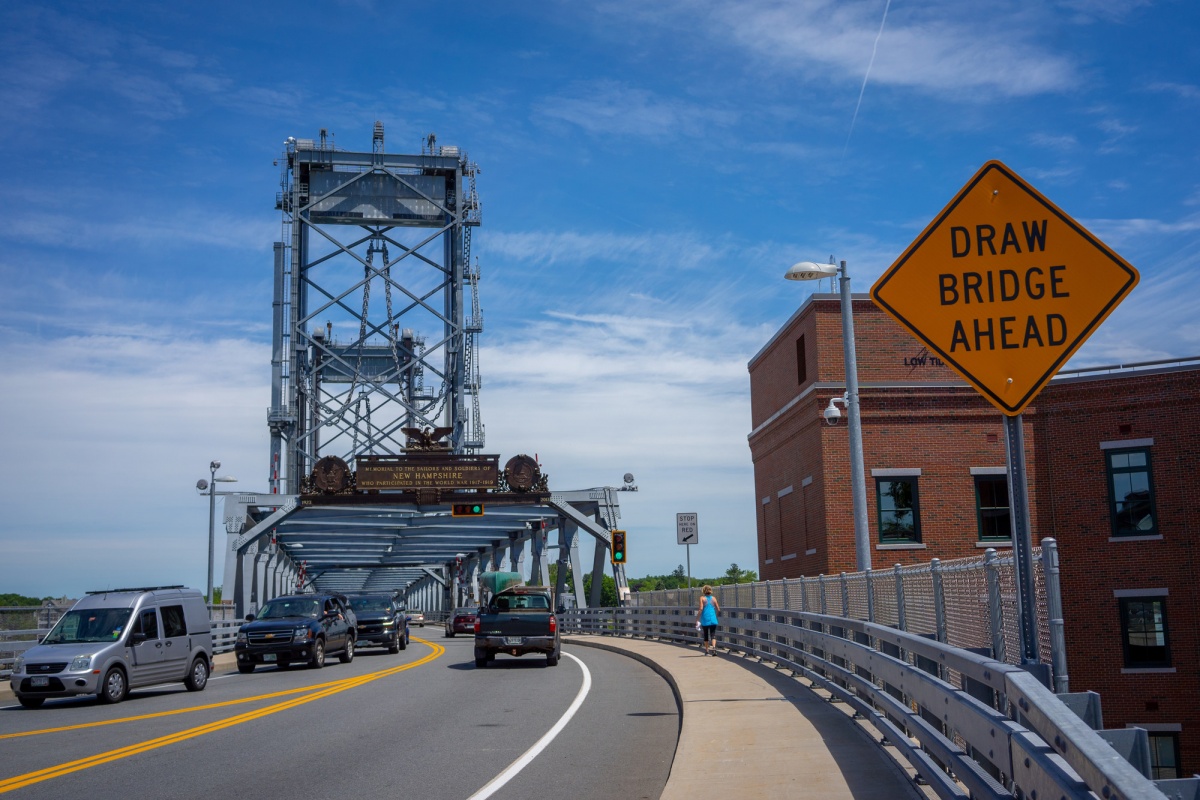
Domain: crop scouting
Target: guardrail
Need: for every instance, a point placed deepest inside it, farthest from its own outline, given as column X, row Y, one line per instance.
column 14, row 643
column 969, row 725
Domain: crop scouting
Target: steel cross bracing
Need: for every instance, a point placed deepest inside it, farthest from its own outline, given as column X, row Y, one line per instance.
column 349, row 371
column 426, row 551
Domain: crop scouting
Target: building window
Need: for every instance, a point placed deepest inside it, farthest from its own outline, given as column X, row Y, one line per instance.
column 801, row 362
column 899, row 512
column 1164, row 755
column 991, row 508
column 1144, row 632
column 1131, row 492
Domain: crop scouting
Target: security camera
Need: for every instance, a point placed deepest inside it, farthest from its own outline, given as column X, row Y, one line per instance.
column 831, row 413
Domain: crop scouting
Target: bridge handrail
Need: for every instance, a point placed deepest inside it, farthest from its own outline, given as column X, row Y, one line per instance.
column 13, row 643
column 997, row 733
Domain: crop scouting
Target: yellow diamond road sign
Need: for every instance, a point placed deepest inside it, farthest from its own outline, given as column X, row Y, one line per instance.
column 1004, row 286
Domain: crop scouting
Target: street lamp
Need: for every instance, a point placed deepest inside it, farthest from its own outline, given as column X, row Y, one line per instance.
column 211, row 486
column 808, row 271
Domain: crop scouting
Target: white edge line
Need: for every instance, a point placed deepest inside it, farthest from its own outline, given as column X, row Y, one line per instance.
column 514, row 768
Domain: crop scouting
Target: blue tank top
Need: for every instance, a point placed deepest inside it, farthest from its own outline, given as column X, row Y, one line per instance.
column 709, row 615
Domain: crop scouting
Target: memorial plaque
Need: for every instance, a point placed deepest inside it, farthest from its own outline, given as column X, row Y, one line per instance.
column 434, row 471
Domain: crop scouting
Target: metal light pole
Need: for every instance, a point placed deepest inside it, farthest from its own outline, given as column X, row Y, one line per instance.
column 211, row 486
column 807, row 271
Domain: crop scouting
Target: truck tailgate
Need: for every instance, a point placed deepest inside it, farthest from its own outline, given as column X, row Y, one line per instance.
column 515, row 623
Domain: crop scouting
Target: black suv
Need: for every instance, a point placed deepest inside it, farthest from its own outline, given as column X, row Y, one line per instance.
column 297, row 628
column 381, row 621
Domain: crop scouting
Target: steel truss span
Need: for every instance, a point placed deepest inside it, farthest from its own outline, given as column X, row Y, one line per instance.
column 375, row 318
column 372, row 331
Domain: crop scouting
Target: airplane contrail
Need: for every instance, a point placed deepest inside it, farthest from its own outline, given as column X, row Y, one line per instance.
column 862, row 90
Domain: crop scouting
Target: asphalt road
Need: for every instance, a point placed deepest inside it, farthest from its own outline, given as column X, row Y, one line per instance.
column 421, row 724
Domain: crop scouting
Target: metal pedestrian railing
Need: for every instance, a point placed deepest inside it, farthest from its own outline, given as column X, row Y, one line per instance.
column 930, row 677
column 970, row 603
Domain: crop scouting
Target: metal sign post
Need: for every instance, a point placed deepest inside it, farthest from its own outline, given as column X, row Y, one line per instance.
column 687, row 532
column 1022, row 537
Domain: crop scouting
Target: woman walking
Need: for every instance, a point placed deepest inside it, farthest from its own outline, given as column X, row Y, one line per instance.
column 706, row 615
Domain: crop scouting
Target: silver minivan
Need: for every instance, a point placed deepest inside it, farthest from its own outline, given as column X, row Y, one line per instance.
column 114, row 641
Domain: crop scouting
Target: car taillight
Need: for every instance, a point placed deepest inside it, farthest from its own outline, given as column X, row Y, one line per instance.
column 553, row 624
column 477, row 626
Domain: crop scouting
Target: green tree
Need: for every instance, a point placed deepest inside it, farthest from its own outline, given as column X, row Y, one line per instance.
column 608, row 590
column 10, row 599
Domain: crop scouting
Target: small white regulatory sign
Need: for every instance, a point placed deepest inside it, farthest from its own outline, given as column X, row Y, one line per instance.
column 687, row 527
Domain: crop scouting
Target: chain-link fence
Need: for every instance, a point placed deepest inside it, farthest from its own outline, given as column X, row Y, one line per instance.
column 970, row 603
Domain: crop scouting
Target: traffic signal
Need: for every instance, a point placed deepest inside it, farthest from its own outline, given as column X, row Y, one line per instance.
column 618, row 547
column 466, row 510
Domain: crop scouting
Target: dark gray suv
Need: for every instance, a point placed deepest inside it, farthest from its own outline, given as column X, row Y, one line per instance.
column 300, row 628
column 381, row 621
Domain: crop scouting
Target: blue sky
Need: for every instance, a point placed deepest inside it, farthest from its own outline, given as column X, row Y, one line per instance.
column 649, row 170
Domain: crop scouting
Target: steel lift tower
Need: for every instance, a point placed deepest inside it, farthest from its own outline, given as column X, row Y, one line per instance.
column 371, row 331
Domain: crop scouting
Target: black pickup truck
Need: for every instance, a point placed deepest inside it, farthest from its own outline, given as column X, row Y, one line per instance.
column 516, row 621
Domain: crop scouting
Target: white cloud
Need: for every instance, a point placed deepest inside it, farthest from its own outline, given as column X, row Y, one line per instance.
column 108, row 437
column 173, row 228
column 945, row 48
column 596, row 397
column 609, row 108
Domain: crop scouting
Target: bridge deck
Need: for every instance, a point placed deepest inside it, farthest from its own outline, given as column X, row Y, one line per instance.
column 752, row 731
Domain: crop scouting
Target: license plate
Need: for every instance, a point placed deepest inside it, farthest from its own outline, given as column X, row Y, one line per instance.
column 268, row 657
column 511, row 640
column 39, row 681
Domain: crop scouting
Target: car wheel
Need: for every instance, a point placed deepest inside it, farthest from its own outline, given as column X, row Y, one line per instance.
column 347, row 655
column 30, row 702
column 449, row 634
column 245, row 667
column 197, row 677
column 113, row 688
column 404, row 642
column 318, row 656
column 551, row 660
column 394, row 644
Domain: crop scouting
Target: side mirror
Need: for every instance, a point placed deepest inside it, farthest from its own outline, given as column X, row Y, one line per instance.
column 249, row 618
column 136, row 639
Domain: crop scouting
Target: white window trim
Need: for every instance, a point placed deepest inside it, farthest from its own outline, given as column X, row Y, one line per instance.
column 903, row 546
column 994, row 543
column 806, row 481
column 898, row 472
column 989, row 470
column 788, row 556
column 1157, row 592
column 1147, row 670
column 1155, row 538
column 766, row 500
column 784, row 492
column 1126, row 443
column 1157, row 727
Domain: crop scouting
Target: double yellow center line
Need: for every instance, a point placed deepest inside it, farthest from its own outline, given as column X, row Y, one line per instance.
column 314, row 693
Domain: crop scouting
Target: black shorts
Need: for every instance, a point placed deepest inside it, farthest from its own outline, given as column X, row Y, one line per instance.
column 710, row 632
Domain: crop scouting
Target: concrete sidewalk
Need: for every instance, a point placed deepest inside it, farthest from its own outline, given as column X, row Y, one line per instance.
column 749, row 730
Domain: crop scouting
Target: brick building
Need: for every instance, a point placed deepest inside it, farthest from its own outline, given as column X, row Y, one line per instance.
column 1109, row 455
